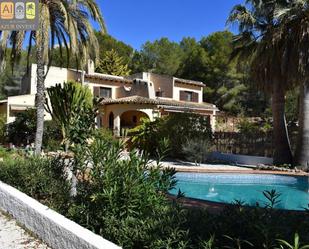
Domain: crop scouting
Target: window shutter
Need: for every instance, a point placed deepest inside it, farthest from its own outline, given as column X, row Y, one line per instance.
column 96, row 91
column 195, row 97
column 182, row 96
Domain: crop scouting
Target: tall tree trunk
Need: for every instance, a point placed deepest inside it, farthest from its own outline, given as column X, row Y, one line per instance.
column 40, row 94
column 302, row 150
column 282, row 147
column 40, row 100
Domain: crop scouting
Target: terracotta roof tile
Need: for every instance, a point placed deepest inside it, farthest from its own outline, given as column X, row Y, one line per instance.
column 158, row 102
column 191, row 82
column 107, row 77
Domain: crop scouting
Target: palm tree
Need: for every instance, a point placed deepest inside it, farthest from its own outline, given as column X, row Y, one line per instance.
column 62, row 23
column 257, row 42
column 294, row 24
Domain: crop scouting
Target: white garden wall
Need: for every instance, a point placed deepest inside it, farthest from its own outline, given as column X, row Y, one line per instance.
column 54, row 229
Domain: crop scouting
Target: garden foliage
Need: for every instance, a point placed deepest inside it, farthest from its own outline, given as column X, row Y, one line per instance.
column 125, row 201
column 22, row 131
column 176, row 128
column 73, row 109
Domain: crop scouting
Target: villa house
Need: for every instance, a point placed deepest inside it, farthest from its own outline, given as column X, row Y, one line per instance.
column 125, row 99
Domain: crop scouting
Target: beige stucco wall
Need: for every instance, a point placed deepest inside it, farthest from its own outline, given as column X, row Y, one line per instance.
column 91, row 83
column 25, row 101
column 123, row 91
column 186, row 87
column 119, row 109
column 165, row 83
column 127, row 118
column 55, row 76
column 139, row 88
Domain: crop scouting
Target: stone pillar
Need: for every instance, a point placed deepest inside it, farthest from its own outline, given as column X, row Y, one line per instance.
column 213, row 121
column 117, row 125
column 90, row 67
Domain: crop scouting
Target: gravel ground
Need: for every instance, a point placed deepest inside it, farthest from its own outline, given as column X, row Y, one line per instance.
column 12, row 236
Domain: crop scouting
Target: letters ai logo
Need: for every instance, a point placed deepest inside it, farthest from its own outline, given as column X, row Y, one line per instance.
column 19, row 14
column 7, row 10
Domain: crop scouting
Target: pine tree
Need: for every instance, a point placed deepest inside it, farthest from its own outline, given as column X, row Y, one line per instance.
column 113, row 64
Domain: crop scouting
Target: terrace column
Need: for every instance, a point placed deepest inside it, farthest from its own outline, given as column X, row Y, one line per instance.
column 213, row 121
column 117, row 125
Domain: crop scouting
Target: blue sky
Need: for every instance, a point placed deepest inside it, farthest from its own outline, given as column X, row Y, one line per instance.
column 138, row 21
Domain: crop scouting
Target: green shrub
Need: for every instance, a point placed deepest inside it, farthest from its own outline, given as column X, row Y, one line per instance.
column 124, row 200
column 3, row 135
column 52, row 136
column 74, row 110
column 22, row 130
column 10, row 154
column 197, row 150
column 239, row 224
column 176, row 128
column 248, row 128
column 42, row 179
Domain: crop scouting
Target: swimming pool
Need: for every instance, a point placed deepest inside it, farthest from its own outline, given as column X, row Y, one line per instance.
column 226, row 188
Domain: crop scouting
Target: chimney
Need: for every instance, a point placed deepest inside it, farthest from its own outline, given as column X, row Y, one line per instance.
column 90, row 67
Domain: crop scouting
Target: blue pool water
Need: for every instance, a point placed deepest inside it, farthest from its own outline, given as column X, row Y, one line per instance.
column 227, row 188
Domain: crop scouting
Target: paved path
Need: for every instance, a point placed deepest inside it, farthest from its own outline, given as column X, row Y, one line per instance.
column 13, row 236
column 203, row 166
column 182, row 166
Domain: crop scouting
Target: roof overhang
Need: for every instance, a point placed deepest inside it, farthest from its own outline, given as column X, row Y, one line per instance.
column 106, row 77
column 162, row 103
column 184, row 109
column 21, row 107
column 3, row 101
column 189, row 82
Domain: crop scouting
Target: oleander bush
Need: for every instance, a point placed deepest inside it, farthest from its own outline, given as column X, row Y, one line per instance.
column 125, row 200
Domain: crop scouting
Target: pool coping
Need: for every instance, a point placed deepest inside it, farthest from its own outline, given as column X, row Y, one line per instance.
column 194, row 169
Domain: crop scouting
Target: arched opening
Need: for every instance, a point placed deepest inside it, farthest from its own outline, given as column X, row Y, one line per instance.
column 131, row 119
column 111, row 121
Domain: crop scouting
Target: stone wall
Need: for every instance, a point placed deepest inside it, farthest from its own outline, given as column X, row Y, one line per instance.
column 54, row 229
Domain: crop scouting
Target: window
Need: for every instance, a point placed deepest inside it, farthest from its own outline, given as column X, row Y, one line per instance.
column 159, row 94
column 105, row 92
column 189, row 96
